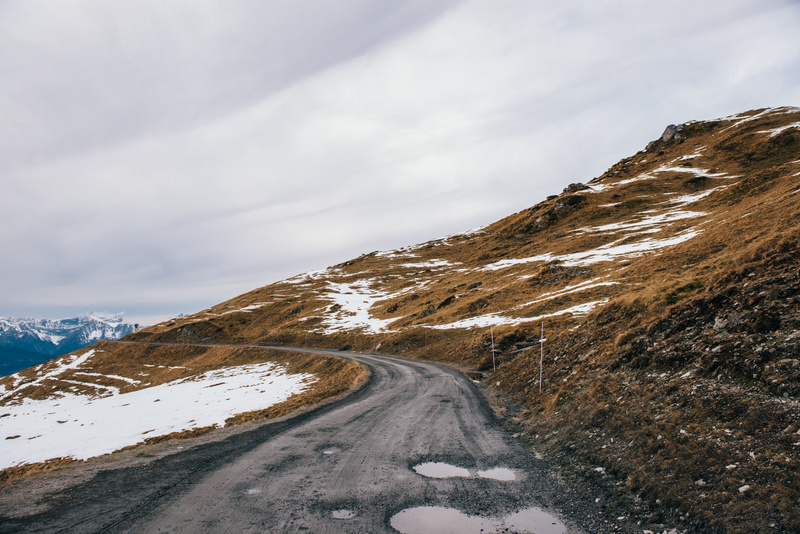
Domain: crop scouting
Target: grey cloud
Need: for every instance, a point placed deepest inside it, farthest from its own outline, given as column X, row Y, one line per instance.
column 88, row 73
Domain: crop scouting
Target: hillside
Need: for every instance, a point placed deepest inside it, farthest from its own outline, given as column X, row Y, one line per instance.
column 667, row 290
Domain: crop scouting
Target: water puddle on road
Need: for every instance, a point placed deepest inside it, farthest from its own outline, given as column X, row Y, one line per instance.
column 499, row 473
column 343, row 514
column 440, row 470
column 443, row 470
column 436, row 519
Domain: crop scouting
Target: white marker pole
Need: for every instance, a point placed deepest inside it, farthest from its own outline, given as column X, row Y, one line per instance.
column 541, row 356
column 494, row 367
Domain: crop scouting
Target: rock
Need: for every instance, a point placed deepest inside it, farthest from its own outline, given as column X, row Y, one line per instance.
column 572, row 188
column 566, row 204
column 446, row 302
column 671, row 132
column 430, row 310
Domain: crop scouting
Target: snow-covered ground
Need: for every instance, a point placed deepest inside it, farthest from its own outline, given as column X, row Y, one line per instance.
column 354, row 301
column 81, row 427
column 496, row 319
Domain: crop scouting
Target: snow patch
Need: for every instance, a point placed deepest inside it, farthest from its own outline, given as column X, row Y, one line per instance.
column 354, row 300
column 609, row 252
column 431, row 264
column 777, row 131
column 495, row 319
column 80, row 427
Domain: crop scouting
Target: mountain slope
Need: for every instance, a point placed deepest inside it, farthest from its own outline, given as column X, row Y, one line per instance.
column 33, row 341
column 656, row 227
column 667, row 289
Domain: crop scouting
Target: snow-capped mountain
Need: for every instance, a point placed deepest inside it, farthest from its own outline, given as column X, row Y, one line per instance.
column 25, row 342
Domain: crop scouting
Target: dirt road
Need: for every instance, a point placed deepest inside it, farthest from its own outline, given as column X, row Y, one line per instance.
column 353, row 466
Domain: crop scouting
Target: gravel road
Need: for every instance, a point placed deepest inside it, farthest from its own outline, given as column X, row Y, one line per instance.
column 345, row 467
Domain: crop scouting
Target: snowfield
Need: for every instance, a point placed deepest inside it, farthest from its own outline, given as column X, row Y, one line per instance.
column 81, row 427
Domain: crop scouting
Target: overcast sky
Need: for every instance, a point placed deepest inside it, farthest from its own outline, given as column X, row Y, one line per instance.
column 161, row 156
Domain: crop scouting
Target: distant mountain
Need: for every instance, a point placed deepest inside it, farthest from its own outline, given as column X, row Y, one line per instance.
column 26, row 342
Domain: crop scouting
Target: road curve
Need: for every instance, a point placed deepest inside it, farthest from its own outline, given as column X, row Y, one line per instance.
column 345, row 467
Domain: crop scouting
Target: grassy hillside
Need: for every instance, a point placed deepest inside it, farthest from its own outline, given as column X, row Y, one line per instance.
column 667, row 289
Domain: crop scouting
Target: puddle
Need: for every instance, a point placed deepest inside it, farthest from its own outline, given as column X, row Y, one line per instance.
column 440, row 470
column 534, row 520
column 435, row 519
column 343, row 514
column 443, row 470
column 498, row 473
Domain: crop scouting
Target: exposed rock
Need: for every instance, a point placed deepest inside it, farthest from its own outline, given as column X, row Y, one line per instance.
column 671, row 132
column 446, row 302
column 572, row 188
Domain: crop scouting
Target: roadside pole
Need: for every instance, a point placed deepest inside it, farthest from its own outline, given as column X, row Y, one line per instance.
column 494, row 366
column 542, row 339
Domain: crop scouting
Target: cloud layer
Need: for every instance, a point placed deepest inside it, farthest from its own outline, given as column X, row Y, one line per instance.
column 159, row 157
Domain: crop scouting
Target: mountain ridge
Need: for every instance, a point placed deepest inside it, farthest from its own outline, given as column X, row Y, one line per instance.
column 26, row 341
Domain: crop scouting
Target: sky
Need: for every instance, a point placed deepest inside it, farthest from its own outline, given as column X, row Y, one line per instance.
column 161, row 156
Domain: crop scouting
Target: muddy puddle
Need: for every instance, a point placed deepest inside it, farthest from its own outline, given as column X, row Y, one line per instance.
column 443, row 470
column 343, row 514
column 435, row 520
column 499, row 473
